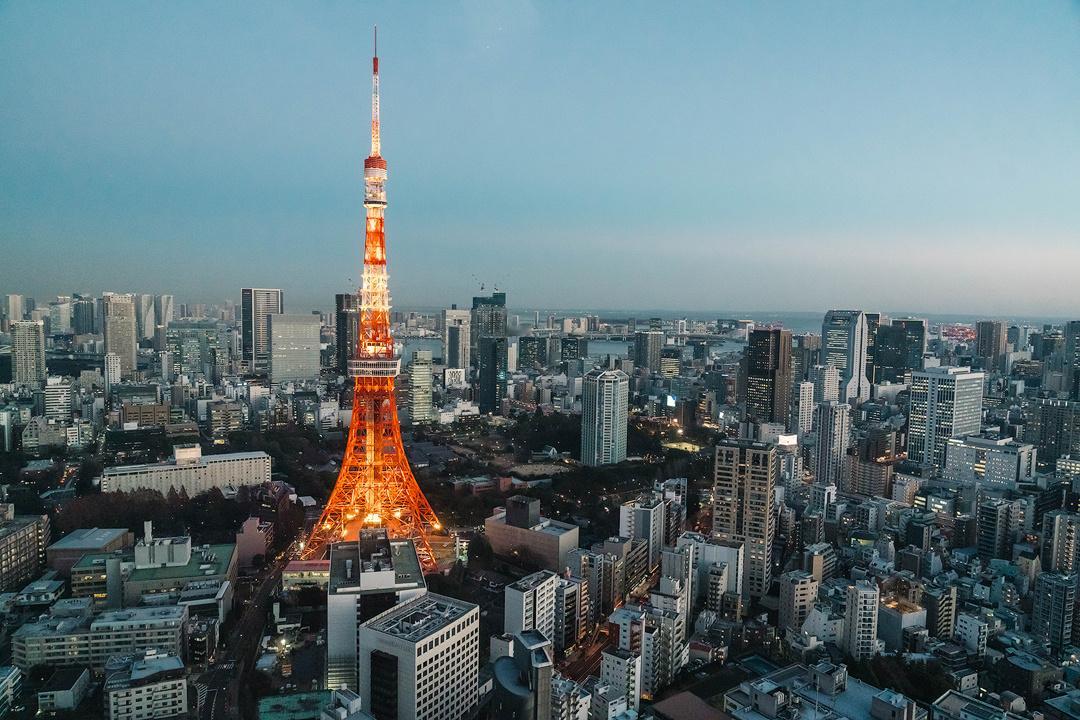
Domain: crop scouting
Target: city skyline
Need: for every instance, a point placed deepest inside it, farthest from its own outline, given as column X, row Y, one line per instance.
column 926, row 144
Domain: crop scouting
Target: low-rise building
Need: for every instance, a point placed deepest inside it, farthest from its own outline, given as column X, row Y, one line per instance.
column 518, row 530
column 65, row 689
column 70, row 636
column 151, row 685
column 190, row 471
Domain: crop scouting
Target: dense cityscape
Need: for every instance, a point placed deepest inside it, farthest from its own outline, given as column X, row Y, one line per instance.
column 255, row 508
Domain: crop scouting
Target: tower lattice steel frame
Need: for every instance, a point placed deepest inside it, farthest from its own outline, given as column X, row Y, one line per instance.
column 375, row 487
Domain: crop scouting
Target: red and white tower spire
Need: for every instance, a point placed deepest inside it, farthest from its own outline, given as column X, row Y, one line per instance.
column 375, row 487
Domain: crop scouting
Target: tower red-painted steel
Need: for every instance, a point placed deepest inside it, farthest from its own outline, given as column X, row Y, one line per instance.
column 375, row 487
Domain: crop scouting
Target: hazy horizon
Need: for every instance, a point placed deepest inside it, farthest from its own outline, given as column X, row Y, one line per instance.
column 596, row 156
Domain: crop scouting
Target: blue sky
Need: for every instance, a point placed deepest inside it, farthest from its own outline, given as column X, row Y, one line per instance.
column 918, row 156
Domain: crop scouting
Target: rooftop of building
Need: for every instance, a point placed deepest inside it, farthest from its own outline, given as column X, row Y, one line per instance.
column 89, row 538
column 420, row 618
column 294, row 705
column 140, row 615
column 531, row 582
column 206, row 561
column 63, row 679
column 144, row 670
column 959, row 705
column 360, row 557
column 546, row 525
column 171, row 463
column 852, row 703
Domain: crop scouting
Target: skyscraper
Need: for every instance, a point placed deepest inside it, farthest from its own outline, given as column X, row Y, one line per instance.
column 898, row 348
column 16, row 309
column 860, row 620
column 768, row 375
column 874, row 321
column 990, row 340
column 28, row 352
column 163, row 310
column 144, row 316
column 82, row 316
column 488, row 319
column 946, row 402
column 647, row 349
column 457, row 337
column 491, row 354
column 604, row 408
column 843, row 346
column 1072, row 358
column 120, row 340
column 421, row 407
column 746, row 474
column 294, row 347
column 833, row 423
column 346, row 329
column 802, row 412
column 256, row 305
column 826, row 382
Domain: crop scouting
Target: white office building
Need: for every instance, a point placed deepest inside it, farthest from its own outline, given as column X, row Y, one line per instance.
column 294, row 347
column 604, row 408
column 421, row 659
column 946, row 402
column 190, row 470
column 996, row 462
column 367, row 576
column 418, row 398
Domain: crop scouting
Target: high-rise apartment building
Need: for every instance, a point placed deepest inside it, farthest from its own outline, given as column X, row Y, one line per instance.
column 798, row 592
column 1053, row 610
column 457, row 337
column 418, row 397
column 860, row 620
column 802, row 409
column 530, row 604
column 946, row 402
column 620, row 669
column 833, row 423
column 746, row 473
column 256, row 305
column 1061, row 542
column 346, row 330
column 120, row 335
column 992, row 529
column 647, row 347
column 604, row 407
column 491, row 355
column 843, row 346
column 767, row 390
column 940, row 603
column 294, row 347
column 826, row 381
column 59, row 396
column 28, row 352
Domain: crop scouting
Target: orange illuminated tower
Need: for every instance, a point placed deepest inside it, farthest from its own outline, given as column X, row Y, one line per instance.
column 375, row 487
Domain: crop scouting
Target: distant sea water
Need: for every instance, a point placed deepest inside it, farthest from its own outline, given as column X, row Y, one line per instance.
column 796, row 322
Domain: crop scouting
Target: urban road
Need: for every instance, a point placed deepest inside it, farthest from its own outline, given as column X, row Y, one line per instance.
column 222, row 679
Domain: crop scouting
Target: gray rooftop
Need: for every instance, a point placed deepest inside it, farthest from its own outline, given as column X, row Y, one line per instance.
column 417, row 619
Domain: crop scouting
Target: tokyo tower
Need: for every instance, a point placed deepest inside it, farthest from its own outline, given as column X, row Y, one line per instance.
column 375, row 487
